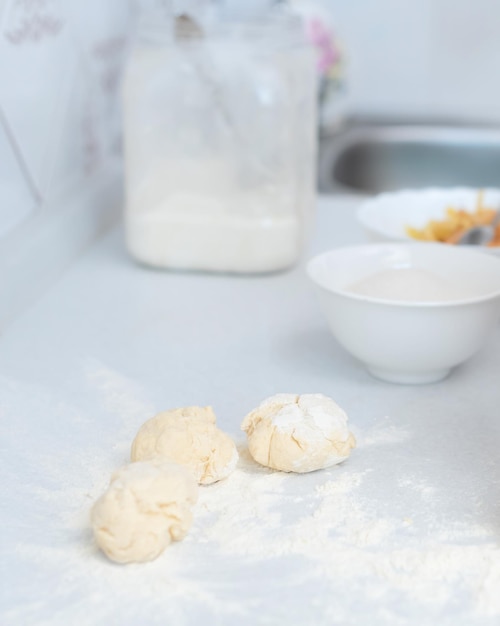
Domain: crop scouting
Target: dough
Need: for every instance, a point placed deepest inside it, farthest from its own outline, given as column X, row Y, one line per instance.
column 298, row 433
column 146, row 506
column 190, row 437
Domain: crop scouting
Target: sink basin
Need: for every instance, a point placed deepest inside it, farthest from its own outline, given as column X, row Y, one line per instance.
column 372, row 158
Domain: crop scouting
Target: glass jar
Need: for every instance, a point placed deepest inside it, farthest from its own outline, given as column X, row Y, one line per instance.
column 220, row 144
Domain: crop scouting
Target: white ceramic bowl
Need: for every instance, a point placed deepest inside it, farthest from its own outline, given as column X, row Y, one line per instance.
column 409, row 341
column 384, row 217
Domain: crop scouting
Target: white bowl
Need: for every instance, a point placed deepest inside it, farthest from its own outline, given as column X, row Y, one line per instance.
column 407, row 341
column 384, row 217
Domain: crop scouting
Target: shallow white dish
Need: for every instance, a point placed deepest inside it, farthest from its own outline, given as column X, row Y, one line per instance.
column 384, row 217
column 409, row 342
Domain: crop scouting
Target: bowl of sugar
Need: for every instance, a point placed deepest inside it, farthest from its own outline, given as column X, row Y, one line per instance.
column 409, row 312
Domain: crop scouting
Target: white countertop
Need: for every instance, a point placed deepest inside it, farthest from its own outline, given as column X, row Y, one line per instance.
column 405, row 532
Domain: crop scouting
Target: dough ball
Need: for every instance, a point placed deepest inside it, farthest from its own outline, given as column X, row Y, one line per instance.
column 298, row 433
column 146, row 506
column 190, row 437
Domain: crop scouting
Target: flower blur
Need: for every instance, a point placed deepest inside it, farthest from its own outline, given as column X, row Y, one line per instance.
column 320, row 33
column 329, row 54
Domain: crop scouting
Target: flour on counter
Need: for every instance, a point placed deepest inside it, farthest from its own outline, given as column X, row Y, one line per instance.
column 382, row 433
column 349, row 543
column 120, row 395
column 318, row 529
column 426, row 492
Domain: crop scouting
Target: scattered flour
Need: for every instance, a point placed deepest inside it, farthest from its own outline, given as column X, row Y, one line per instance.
column 382, row 433
column 375, row 555
column 426, row 492
column 121, row 396
column 322, row 534
column 259, row 516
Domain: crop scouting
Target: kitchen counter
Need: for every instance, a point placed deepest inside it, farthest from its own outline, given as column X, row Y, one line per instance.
column 404, row 532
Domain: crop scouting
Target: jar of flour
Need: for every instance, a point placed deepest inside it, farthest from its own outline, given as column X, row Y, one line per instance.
column 220, row 143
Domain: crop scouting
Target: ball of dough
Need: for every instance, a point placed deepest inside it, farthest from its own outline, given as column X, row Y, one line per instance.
column 190, row 437
column 298, row 433
column 146, row 506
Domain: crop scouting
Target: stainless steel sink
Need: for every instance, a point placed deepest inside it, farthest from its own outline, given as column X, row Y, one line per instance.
column 375, row 157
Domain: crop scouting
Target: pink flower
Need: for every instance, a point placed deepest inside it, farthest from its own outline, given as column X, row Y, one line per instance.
column 324, row 41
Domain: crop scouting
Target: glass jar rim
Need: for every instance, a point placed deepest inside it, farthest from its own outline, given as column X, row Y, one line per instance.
column 279, row 28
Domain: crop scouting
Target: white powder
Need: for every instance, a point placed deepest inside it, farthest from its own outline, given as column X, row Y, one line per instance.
column 310, row 412
column 213, row 184
column 382, row 433
column 198, row 214
column 120, row 395
column 234, row 243
column 322, row 535
column 374, row 555
column 407, row 284
column 425, row 491
column 242, row 519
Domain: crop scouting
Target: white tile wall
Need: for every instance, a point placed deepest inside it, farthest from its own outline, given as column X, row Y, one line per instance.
column 59, row 68
column 59, row 134
column 466, row 62
column 17, row 201
column 36, row 64
column 424, row 57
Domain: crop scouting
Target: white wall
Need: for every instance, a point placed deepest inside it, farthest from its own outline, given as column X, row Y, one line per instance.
column 424, row 57
column 59, row 135
column 59, row 63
